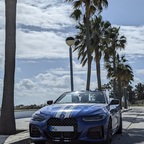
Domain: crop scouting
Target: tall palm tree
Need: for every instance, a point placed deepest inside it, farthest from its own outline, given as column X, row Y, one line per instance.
column 7, row 121
column 114, row 42
column 123, row 76
column 80, row 44
column 98, row 28
column 90, row 7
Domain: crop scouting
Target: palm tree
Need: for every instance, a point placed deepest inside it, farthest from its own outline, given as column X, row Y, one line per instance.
column 114, row 42
column 90, row 7
column 124, row 74
column 131, row 93
column 98, row 28
column 7, row 121
column 80, row 44
column 139, row 90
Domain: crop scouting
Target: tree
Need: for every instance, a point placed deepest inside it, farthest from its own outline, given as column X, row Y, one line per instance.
column 90, row 7
column 124, row 76
column 98, row 38
column 139, row 90
column 131, row 93
column 98, row 28
column 114, row 42
column 7, row 122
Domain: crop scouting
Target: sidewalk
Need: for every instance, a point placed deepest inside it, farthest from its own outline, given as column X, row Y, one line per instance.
column 133, row 130
column 20, row 138
column 23, row 124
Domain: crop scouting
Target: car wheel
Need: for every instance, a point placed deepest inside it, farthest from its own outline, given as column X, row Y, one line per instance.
column 109, row 133
column 119, row 131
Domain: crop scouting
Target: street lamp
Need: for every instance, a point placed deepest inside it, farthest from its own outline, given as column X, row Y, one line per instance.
column 70, row 41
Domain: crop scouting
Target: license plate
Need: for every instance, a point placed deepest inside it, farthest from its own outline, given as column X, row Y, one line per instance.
column 61, row 128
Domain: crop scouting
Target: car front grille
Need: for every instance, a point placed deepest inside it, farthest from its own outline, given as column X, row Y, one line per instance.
column 64, row 122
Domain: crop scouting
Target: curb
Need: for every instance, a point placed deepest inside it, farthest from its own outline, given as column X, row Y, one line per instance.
column 125, row 110
column 20, row 138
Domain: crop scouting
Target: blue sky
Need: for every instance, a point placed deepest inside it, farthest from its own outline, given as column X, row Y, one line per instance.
column 42, row 57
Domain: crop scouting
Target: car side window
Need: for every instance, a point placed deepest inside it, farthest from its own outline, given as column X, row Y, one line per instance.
column 100, row 98
column 65, row 99
column 75, row 99
column 85, row 98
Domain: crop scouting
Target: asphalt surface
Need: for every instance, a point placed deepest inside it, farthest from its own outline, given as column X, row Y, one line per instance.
column 133, row 129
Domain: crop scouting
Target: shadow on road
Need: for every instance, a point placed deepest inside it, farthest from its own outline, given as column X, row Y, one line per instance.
column 131, row 136
column 133, row 120
column 133, row 132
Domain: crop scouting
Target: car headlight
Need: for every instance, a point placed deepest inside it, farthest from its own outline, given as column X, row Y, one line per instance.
column 37, row 117
column 98, row 117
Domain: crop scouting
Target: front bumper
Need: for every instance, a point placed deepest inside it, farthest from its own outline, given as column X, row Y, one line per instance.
column 83, row 131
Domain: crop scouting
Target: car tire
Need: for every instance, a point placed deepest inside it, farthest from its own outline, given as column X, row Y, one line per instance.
column 109, row 133
column 119, row 131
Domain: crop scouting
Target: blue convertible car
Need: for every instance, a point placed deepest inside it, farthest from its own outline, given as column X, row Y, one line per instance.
column 77, row 117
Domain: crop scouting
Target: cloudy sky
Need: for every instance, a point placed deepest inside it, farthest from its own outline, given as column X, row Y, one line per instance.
column 42, row 56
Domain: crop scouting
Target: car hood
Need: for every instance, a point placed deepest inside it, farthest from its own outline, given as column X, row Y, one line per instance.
column 72, row 110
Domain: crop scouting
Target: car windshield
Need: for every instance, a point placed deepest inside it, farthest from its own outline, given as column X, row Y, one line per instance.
column 81, row 97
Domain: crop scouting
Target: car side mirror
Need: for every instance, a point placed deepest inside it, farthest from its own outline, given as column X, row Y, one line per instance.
column 114, row 102
column 50, row 102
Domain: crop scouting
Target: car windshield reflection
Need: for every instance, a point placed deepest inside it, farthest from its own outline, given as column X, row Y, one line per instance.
column 81, row 97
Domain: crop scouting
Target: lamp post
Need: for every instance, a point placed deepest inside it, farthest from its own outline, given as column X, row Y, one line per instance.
column 70, row 41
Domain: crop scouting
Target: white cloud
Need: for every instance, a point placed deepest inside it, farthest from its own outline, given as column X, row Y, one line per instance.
column 137, row 80
column 36, row 45
column 78, row 67
column 135, row 39
column 51, row 44
column 27, row 84
column 140, row 71
column 44, row 87
column 37, row 22
column 44, row 25
column 46, row 14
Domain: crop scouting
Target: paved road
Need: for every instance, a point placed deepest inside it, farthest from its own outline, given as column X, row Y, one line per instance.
column 133, row 127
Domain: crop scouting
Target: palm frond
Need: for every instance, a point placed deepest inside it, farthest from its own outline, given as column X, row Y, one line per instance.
column 77, row 4
column 76, row 14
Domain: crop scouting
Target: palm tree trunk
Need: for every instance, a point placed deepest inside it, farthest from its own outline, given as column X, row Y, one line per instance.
column 7, row 123
column 114, row 81
column 98, row 68
column 120, row 92
column 88, row 45
column 98, row 75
